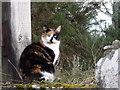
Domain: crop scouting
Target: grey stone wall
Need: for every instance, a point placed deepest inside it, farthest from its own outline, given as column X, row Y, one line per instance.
column 107, row 68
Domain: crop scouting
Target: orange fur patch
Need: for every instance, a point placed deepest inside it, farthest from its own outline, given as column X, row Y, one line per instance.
column 51, row 43
column 49, row 33
column 36, row 53
column 36, row 70
column 42, row 43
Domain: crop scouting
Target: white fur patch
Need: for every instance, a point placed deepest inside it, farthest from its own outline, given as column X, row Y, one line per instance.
column 48, row 76
column 54, row 47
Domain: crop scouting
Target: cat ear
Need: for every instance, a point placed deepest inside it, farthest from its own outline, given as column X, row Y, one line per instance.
column 45, row 28
column 58, row 29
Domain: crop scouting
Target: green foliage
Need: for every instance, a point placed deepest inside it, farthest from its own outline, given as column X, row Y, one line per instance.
column 112, row 34
column 36, row 38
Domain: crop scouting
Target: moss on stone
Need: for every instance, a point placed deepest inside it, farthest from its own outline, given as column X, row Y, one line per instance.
column 64, row 85
column 50, row 85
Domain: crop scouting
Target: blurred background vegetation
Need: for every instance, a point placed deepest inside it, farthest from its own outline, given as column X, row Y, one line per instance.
column 81, row 47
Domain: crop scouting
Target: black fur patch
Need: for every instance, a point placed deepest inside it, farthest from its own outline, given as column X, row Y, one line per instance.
column 46, row 29
column 57, row 36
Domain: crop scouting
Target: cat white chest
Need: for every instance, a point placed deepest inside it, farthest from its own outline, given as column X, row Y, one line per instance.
column 55, row 48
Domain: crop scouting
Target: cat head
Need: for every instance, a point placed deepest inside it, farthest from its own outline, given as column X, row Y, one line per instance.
column 51, row 36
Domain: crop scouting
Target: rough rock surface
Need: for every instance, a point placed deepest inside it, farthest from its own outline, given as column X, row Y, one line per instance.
column 107, row 75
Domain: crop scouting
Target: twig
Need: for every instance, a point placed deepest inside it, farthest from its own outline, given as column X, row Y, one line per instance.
column 15, row 69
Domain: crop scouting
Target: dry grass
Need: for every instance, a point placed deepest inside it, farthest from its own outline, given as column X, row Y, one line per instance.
column 75, row 75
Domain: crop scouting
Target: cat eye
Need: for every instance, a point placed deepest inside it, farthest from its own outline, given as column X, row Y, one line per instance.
column 48, row 35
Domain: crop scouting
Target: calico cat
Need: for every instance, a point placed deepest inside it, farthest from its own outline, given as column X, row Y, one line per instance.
column 38, row 59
